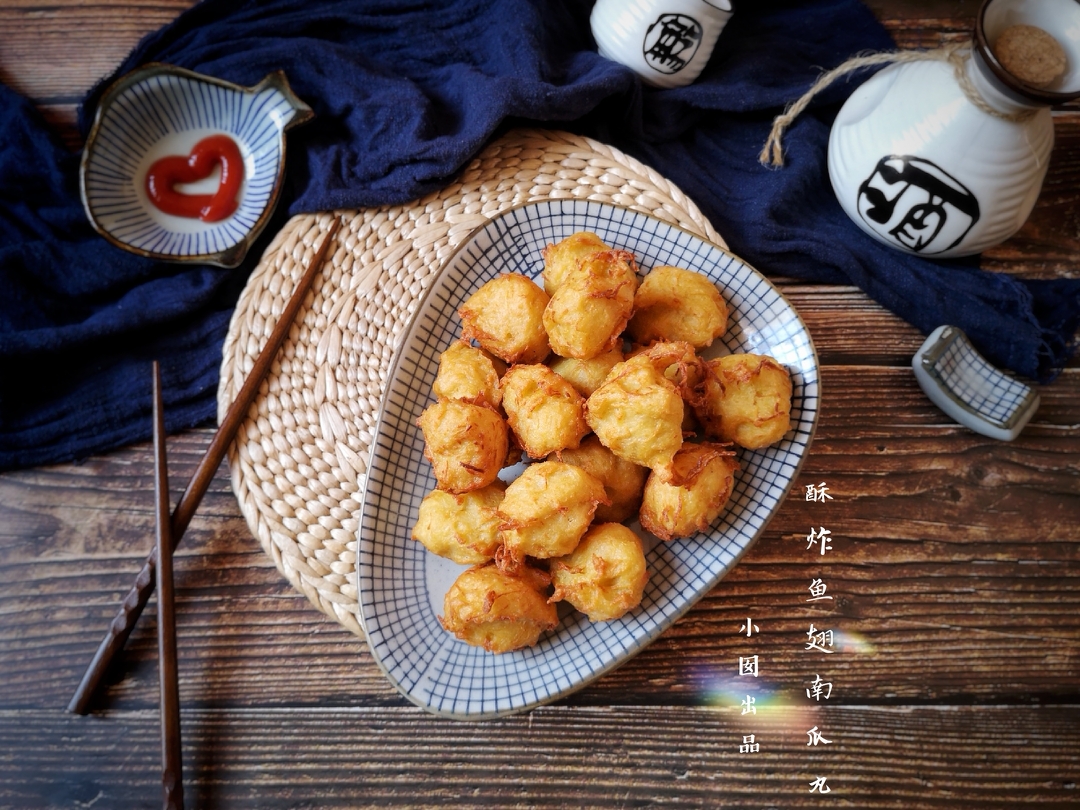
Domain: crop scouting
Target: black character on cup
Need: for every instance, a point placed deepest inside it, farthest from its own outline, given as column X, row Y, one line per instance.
column 917, row 205
column 671, row 42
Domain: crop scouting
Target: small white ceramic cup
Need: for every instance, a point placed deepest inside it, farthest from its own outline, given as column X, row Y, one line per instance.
column 666, row 42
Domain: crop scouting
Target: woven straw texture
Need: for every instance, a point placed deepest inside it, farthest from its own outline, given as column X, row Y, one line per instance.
column 299, row 460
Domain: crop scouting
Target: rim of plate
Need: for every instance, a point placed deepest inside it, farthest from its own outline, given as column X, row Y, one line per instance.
column 260, row 135
column 644, row 635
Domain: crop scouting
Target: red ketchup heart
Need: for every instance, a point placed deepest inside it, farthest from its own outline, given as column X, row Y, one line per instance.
column 168, row 172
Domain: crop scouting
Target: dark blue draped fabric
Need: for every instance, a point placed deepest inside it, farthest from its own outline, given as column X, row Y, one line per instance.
column 405, row 93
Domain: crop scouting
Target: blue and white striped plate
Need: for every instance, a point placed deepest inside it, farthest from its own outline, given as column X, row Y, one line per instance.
column 160, row 110
column 401, row 585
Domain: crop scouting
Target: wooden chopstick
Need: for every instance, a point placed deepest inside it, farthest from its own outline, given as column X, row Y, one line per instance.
column 172, row 769
column 139, row 595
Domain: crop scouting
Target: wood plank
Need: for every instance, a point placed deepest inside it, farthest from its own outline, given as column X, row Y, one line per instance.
column 910, row 758
column 947, row 548
column 54, row 53
column 986, row 629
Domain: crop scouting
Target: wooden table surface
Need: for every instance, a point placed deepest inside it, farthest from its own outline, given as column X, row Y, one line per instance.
column 955, row 567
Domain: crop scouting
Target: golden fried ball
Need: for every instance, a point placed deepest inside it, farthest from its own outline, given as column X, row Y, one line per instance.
column 701, row 482
column 463, row 528
column 586, row 375
column 588, row 312
column 637, row 414
column 545, row 412
column 546, row 510
column 468, row 373
column 623, row 480
column 749, row 402
column 563, row 258
column 498, row 610
column 677, row 304
column 466, row 444
column 605, row 575
column 506, row 317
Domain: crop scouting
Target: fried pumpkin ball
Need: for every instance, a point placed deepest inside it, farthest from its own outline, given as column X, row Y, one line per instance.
column 462, row 527
column 588, row 312
column 498, row 610
column 605, row 576
column 469, row 374
column 506, row 317
column 703, row 476
column 546, row 510
column 544, row 410
column 466, row 444
column 637, row 414
column 677, row 304
column 586, row 375
column 563, row 258
column 623, row 480
column 748, row 402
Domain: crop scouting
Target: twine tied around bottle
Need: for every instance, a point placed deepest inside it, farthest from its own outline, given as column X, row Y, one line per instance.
column 955, row 54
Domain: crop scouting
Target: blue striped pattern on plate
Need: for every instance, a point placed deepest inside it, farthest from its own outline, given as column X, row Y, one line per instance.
column 402, row 585
column 159, row 111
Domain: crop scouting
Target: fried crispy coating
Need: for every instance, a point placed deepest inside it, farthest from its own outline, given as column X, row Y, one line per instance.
column 677, row 304
column 498, row 610
column 605, row 576
column 623, row 480
column 588, row 312
column 748, row 402
column 701, row 482
column 679, row 362
column 506, row 317
column 586, row 375
column 468, row 373
column 546, row 510
column 637, row 414
column 545, row 412
column 463, row 528
column 466, row 444
column 563, row 258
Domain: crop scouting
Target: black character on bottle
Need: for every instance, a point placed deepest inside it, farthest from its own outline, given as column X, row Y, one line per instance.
column 916, row 204
column 671, row 42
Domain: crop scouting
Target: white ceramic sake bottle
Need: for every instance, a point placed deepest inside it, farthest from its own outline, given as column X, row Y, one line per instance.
column 918, row 165
column 666, row 42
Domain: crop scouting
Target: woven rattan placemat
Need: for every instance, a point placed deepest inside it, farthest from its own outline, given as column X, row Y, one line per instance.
column 299, row 460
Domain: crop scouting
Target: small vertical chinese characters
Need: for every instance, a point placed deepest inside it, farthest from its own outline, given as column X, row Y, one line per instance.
column 749, row 667
column 819, row 640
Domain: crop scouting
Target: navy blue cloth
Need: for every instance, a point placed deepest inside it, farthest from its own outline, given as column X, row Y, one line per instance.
column 405, row 93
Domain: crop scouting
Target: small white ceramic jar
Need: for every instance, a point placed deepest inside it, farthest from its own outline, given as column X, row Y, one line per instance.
column 918, row 165
column 666, row 42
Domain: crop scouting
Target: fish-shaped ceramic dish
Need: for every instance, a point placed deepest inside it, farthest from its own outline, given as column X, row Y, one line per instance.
column 158, row 116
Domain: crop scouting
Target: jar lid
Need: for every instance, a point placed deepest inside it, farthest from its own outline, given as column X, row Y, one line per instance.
column 996, row 16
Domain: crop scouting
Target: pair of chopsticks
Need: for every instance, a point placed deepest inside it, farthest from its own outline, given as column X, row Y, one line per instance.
column 173, row 529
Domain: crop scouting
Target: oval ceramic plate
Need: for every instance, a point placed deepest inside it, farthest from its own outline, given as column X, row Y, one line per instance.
column 402, row 585
column 160, row 111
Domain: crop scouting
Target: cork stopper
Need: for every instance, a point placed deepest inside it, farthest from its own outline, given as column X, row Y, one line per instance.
column 1031, row 55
